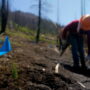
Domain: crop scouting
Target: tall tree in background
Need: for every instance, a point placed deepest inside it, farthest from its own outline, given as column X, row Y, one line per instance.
column 39, row 22
column 82, row 7
column 41, row 7
column 58, row 16
column 4, row 9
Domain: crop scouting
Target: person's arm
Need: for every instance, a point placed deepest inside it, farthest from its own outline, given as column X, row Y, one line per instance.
column 88, row 42
column 65, row 32
column 64, row 40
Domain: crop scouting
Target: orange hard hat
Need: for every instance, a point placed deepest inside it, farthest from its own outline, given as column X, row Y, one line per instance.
column 85, row 22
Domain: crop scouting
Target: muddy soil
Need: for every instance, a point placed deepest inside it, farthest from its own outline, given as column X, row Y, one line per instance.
column 35, row 66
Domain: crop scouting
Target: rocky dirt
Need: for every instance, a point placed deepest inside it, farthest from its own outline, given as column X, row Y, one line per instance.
column 35, row 65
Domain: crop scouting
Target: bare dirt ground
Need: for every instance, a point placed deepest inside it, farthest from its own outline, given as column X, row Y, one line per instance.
column 36, row 68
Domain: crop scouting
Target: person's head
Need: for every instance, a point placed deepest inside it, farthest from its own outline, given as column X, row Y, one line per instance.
column 84, row 23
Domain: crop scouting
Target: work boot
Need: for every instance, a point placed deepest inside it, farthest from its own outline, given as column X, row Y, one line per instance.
column 83, row 67
column 76, row 67
column 76, row 64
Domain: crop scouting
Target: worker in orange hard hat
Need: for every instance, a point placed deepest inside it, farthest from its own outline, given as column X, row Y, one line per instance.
column 75, row 39
column 85, row 25
column 73, row 33
column 85, row 22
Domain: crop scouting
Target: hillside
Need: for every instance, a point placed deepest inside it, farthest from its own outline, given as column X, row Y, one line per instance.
column 31, row 66
column 30, row 21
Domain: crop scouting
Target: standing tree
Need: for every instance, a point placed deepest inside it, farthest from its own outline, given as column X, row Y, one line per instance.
column 39, row 22
column 58, row 16
column 82, row 7
column 4, row 9
column 41, row 4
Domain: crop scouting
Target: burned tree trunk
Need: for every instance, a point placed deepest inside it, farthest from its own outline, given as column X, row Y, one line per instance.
column 39, row 23
column 4, row 14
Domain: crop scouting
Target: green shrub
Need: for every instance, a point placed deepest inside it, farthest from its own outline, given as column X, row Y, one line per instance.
column 14, row 71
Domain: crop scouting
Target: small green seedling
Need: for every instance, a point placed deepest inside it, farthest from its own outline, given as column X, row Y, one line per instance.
column 14, row 71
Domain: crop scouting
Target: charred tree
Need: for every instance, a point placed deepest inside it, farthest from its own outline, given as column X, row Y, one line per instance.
column 4, row 14
column 39, row 22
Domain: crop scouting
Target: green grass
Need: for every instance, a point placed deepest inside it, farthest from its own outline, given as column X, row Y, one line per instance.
column 26, row 30
column 48, row 41
column 21, row 34
column 14, row 71
column 28, row 34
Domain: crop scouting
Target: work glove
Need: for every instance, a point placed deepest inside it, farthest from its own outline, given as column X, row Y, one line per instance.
column 64, row 42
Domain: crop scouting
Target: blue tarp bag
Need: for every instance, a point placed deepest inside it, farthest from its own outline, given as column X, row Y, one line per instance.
column 6, row 47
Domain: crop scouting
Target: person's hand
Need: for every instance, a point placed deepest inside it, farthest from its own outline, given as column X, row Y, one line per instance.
column 87, row 57
column 64, row 42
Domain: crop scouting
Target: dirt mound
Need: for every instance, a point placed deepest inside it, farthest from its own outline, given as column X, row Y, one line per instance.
column 36, row 69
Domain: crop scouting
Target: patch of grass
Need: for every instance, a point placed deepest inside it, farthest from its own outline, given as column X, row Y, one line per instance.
column 28, row 34
column 26, row 30
column 16, row 43
column 14, row 71
column 20, row 34
column 48, row 41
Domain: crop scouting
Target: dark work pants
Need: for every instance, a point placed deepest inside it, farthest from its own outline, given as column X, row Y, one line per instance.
column 77, row 50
